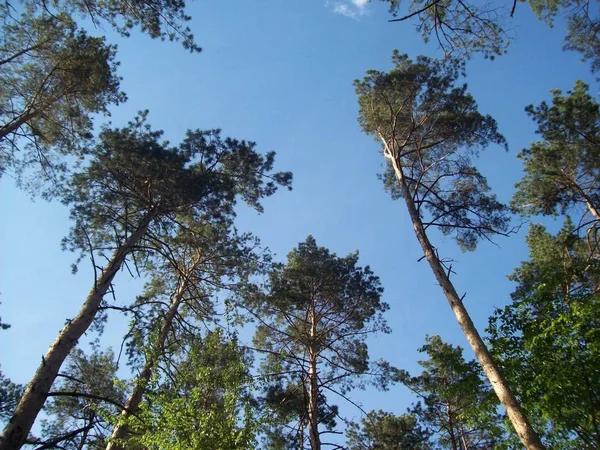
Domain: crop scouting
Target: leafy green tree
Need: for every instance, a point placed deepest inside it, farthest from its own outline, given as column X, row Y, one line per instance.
column 430, row 130
column 205, row 404
column 312, row 325
column 83, row 399
column 201, row 262
column 562, row 170
column 132, row 194
column 458, row 406
column 54, row 78
column 547, row 339
column 463, row 27
column 380, row 430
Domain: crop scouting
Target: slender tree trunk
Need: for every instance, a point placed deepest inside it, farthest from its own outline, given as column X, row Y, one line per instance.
column 84, row 436
column 313, row 417
column 451, row 427
column 16, row 431
column 121, row 430
column 591, row 207
column 313, row 425
column 313, row 390
column 303, row 414
column 572, row 184
column 524, row 430
column 463, row 438
column 301, row 433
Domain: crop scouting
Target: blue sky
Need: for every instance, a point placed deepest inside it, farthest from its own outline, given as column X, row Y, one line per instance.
column 280, row 73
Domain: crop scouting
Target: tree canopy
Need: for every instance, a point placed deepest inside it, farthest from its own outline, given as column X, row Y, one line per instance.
column 385, row 431
column 546, row 339
column 221, row 342
column 55, row 79
column 312, row 325
column 463, row 28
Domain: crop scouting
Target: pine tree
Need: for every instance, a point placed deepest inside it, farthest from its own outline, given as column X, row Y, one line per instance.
column 430, row 130
column 124, row 202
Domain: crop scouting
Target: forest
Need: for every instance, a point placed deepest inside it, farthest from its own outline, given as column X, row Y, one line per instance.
column 405, row 258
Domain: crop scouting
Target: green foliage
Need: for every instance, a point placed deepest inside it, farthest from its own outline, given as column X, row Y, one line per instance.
column 206, row 259
column 160, row 19
column 204, row 404
column 562, row 170
column 134, row 181
column 583, row 19
column 459, row 407
column 10, row 393
column 431, row 128
column 319, row 307
column 459, row 27
column 547, row 338
column 464, row 28
column 380, row 430
column 82, row 403
column 54, row 78
column 287, row 417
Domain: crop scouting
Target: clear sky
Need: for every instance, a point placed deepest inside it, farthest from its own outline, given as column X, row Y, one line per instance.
column 280, row 73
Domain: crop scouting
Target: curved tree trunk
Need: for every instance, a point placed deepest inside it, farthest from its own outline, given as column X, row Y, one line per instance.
column 521, row 424
column 121, row 430
column 33, row 399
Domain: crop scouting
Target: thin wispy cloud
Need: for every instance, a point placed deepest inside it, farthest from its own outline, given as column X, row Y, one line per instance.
column 353, row 8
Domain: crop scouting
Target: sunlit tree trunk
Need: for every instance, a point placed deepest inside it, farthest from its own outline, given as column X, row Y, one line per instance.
column 121, row 430
column 33, row 399
column 313, row 391
column 524, row 430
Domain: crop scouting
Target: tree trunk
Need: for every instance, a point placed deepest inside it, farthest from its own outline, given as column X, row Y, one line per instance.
column 301, row 433
column 313, row 390
column 524, row 430
column 33, row 399
column 84, row 436
column 121, row 430
column 313, row 424
column 463, row 439
column 16, row 124
column 591, row 207
column 451, row 427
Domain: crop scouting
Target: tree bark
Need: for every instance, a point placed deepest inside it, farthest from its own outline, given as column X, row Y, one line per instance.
column 315, row 442
column 524, row 430
column 121, row 430
column 591, row 207
column 33, row 399
column 313, row 391
column 16, row 124
column 451, row 427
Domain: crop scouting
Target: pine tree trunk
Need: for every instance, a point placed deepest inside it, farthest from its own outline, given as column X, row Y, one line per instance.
column 451, row 427
column 521, row 424
column 313, row 390
column 121, row 430
column 16, row 431
column 313, row 426
column 16, row 124
column 591, row 207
